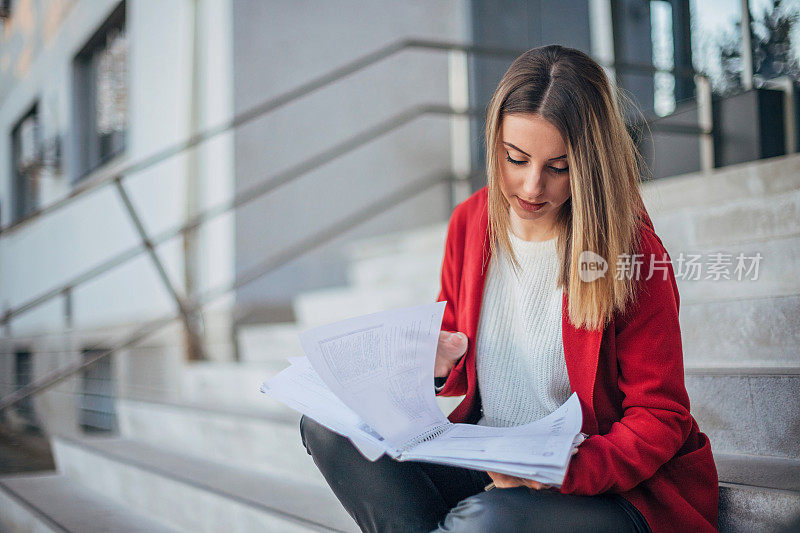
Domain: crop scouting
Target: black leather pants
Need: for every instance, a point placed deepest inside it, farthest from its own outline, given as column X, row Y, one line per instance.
column 410, row 496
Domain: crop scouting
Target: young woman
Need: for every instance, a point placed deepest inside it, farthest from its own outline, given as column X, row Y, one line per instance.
column 555, row 282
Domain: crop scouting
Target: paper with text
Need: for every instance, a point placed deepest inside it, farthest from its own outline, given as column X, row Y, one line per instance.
column 300, row 388
column 381, row 366
column 370, row 378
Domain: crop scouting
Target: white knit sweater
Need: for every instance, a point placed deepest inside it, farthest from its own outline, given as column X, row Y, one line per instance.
column 519, row 353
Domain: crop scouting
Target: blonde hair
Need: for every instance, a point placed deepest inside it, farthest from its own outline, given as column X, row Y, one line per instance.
column 570, row 90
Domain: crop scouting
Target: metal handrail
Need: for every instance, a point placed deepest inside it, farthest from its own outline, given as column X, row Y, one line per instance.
column 209, row 296
column 251, row 193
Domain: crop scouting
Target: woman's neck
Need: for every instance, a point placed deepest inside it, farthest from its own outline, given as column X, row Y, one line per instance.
column 544, row 231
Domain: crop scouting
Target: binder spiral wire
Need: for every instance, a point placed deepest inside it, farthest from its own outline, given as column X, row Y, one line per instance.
column 428, row 435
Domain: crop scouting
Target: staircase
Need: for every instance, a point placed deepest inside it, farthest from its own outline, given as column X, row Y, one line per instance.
column 224, row 457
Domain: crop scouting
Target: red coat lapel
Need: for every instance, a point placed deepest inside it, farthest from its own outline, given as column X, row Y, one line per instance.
column 581, row 353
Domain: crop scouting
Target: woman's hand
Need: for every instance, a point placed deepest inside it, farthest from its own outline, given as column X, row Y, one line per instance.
column 452, row 345
column 503, row 481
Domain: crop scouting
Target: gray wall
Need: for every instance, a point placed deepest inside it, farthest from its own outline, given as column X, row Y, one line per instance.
column 279, row 45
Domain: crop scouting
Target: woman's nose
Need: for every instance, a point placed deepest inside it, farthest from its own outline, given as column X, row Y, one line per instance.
column 534, row 184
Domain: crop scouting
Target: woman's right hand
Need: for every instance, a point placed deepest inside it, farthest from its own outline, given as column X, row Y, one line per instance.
column 452, row 345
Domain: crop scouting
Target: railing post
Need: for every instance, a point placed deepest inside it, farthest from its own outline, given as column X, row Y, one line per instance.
column 6, row 322
column 746, row 49
column 705, row 118
column 68, row 310
column 188, row 316
column 460, row 141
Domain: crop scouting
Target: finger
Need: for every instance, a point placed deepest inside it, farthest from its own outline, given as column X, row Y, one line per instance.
column 513, row 481
column 452, row 345
column 458, row 341
column 502, row 481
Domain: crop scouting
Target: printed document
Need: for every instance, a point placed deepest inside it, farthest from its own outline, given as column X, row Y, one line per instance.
column 370, row 378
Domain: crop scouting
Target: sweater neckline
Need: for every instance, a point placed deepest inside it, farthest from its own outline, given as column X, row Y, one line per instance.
column 531, row 247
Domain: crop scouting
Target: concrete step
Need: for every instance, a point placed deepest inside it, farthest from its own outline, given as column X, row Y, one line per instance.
column 757, row 332
column 747, row 410
column 396, row 269
column 268, row 342
column 757, row 471
column 428, row 238
column 747, row 509
column 776, row 272
column 751, row 220
column 754, row 179
column 52, row 502
column 757, row 494
column 198, row 495
column 315, row 308
column 236, row 386
column 232, row 384
column 254, row 439
column 263, row 437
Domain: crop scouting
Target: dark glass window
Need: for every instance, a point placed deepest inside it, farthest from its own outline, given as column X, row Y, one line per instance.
column 26, row 146
column 96, row 409
column 100, row 84
column 23, row 375
column 5, row 9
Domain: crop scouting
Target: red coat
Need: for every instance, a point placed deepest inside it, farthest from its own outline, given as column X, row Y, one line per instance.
column 643, row 442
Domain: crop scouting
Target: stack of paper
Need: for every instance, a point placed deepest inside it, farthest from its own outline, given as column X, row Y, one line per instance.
column 370, row 378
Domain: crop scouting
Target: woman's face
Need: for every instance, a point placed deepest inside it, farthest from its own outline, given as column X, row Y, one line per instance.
column 533, row 168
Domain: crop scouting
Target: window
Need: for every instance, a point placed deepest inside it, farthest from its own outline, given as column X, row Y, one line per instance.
column 5, row 9
column 775, row 40
column 26, row 148
column 717, row 43
column 23, row 375
column 96, row 408
column 100, row 84
column 663, row 56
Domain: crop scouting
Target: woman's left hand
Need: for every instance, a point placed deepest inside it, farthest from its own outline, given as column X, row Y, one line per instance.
column 503, row 481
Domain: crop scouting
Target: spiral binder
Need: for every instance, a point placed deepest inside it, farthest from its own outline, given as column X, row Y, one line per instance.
column 428, row 435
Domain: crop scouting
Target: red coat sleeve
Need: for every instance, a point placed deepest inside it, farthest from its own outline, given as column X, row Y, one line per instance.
column 452, row 265
column 656, row 418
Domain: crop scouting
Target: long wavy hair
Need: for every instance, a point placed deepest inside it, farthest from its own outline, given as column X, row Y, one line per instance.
column 570, row 90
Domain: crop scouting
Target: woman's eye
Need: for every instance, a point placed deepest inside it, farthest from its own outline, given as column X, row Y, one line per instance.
column 554, row 169
column 513, row 161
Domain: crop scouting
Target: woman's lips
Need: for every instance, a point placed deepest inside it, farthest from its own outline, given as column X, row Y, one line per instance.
column 529, row 206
